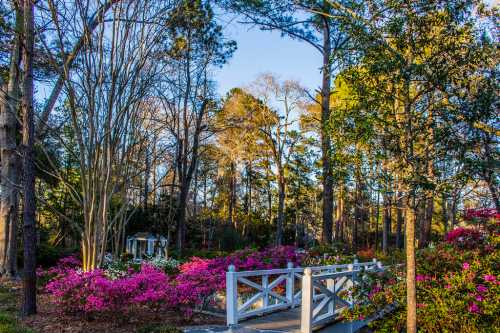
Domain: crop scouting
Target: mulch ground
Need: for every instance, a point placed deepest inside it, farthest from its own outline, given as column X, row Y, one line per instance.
column 49, row 318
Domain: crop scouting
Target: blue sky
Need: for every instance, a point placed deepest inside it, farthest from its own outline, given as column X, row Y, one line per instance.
column 263, row 51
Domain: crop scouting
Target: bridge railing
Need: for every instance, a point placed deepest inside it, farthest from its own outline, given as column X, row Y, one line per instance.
column 334, row 290
column 276, row 289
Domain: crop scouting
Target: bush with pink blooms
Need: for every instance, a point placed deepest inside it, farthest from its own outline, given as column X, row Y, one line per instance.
column 458, row 287
column 465, row 237
column 481, row 214
column 94, row 292
column 194, row 285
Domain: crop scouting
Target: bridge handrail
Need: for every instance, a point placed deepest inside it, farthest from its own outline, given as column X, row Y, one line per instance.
column 317, row 311
column 236, row 311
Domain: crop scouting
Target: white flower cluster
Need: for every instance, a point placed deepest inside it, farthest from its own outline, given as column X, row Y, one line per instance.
column 164, row 263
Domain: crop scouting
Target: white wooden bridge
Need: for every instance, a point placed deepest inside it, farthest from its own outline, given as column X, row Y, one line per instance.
column 293, row 299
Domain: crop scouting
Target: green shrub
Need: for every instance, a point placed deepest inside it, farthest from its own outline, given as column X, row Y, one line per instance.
column 9, row 324
column 48, row 255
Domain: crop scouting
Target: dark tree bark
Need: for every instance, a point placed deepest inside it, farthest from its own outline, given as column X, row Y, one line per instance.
column 186, row 172
column 387, row 223
column 9, row 155
column 488, row 172
column 399, row 221
column 281, row 208
column 444, row 212
column 29, row 208
column 325, row 137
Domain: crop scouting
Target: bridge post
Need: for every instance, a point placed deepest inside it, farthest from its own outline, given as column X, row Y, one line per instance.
column 231, row 296
column 290, row 285
column 306, row 312
column 350, row 268
column 330, row 285
column 265, row 291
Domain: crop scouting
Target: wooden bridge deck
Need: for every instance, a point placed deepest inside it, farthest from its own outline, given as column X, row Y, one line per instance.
column 279, row 322
column 289, row 321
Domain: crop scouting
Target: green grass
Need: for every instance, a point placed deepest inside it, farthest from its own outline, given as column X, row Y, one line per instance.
column 9, row 324
column 8, row 320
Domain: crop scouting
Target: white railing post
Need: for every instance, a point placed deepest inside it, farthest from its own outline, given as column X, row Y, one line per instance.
column 231, row 296
column 330, row 285
column 265, row 291
column 290, row 285
column 350, row 268
column 307, row 302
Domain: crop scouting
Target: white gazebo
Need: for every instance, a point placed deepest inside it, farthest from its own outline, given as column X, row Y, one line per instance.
column 144, row 244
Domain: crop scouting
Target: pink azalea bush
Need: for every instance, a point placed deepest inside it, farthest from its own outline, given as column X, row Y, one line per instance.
column 457, row 287
column 464, row 237
column 197, row 281
column 199, row 278
column 481, row 213
column 93, row 292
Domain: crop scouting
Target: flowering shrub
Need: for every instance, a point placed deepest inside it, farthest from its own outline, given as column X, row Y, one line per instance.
column 93, row 292
column 458, row 290
column 200, row 278
column 62, row 266
column 481, row 213
column 119, row 287
column 168, row 265
column 468, row 238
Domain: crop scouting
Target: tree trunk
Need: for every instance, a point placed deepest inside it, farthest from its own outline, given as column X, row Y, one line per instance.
column 399, row 221
column 489, row 173
column 325, row 138
column 444, row 212
column 387, row 223
column 9, row 156
column 29, row 208
column 186, row 175
column 147, row 172
column 411, row 294
column 377, row 213
column 231, row 196
column 281, row 208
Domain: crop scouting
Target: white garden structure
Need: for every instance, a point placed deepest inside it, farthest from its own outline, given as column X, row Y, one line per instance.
column 144, row 244
column 321, row 291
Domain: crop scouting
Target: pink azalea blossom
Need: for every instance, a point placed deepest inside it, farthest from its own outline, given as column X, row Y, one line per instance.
column 473, row 308
column 489, row 278
column 481, row 288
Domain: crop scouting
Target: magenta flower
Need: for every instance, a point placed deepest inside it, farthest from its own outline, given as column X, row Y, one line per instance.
column 465, row 266
column 473, row 308
column 481, row 288
column 489, row 278
column 479, row 298
column 448, row 286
